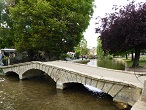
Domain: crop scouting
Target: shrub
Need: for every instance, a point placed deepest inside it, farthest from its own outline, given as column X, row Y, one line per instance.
column 111, row 64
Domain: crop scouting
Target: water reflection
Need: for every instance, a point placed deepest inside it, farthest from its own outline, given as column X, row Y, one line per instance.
column 40, row 93
column 2, row 79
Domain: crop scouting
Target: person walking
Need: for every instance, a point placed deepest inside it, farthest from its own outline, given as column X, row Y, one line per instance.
column 1, row 59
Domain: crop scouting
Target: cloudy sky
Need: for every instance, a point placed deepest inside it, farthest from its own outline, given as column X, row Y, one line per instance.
column 102, row 7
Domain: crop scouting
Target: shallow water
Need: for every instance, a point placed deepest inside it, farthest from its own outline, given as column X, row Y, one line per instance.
column 40, row 93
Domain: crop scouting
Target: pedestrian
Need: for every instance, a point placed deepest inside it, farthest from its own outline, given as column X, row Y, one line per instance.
column 82, row 57
column 1, row 58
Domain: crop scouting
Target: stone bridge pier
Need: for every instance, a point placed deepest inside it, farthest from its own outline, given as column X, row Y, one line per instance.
column 141, row 104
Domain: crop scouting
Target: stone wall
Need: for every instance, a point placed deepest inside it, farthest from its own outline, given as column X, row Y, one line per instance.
column 143, row 96
column 141, row 104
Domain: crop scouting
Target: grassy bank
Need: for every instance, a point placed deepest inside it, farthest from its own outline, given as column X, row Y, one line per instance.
column 142, row 61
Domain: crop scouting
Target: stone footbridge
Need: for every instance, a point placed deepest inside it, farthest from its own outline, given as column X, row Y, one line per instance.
column 121, row 85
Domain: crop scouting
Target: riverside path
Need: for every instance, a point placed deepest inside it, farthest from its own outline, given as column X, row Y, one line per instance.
column 123, row 86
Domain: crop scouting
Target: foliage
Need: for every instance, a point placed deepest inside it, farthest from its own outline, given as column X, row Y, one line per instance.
column 53, row 27
column 63, row 56
column 1, row 21
column 100, row 53
column 82, row 49
column 5, row 33
column 125, row 30
column 1, row 6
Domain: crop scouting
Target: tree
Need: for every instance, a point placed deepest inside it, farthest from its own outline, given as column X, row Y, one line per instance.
column 82, row 49
column 53, row 27
column 6, row 35
column 100, row 52
column 5, row 40
column 125, row 30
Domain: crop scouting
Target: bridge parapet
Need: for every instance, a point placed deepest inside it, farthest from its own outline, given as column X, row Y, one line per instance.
column 143, row 97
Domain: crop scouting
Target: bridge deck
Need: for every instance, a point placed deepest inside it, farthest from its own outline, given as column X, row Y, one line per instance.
column 114, row 75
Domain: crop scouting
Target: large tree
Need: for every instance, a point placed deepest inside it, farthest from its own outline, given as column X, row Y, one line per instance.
column 51, row 26
column 5, row 34
column 125, row 30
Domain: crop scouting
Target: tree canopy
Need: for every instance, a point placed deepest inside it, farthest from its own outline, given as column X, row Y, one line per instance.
column 5, row 38
column 125, row 30
column 53, row 27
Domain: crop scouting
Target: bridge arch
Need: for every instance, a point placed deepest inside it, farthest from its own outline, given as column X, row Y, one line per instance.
column 32, row 73
column 11, row 73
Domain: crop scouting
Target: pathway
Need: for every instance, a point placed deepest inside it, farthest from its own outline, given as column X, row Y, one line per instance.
column 118, row 75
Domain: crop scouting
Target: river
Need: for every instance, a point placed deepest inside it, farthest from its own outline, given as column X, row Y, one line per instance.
column 40, row 93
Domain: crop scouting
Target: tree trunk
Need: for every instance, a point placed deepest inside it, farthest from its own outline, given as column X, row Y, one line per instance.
column 47, row 56
column 31, row 54
column 132, row 57
column 126, row 56
column 137, row 56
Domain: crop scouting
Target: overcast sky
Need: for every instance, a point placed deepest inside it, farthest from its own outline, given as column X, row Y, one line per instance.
column 102, row 7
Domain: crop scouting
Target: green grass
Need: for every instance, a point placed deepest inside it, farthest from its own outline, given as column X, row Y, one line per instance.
column 119, row 63
column 142, row 62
